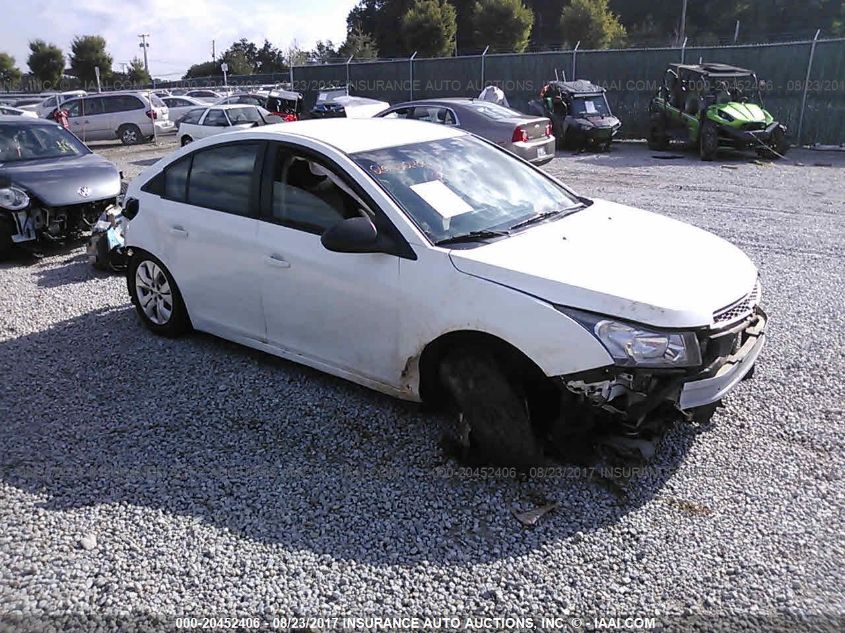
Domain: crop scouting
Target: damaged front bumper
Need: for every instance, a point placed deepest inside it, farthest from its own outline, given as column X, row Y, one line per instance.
column 632, row 393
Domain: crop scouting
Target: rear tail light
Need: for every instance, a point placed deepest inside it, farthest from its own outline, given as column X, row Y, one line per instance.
column 152, row 114
column 519, row 136
column 549, row 130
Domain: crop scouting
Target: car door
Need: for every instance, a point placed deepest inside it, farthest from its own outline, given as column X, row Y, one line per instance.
column 337, row 310
column 208, row 213
column 77, row 122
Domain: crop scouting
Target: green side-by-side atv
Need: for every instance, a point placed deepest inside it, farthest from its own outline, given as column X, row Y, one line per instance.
column 712, row 106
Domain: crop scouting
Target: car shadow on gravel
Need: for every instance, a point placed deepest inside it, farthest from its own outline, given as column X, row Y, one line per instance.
column 76, row 269
column 99, row 412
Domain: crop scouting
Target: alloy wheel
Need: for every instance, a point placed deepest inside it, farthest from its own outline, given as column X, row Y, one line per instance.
column 153, row 292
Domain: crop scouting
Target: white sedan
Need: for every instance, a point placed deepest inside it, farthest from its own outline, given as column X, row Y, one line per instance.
column 12, row 111
column 179, row 106
column 429, row 264
column 202, row 122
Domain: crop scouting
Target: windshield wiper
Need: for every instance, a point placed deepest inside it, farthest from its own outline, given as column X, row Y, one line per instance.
column 545, row 216
column 472, row 236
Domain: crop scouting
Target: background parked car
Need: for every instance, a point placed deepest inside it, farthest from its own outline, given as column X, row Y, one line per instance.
column 528, row 137
column 12, row 111
column 180, row 106
column 207, row 96
column 51, row 102
column 337, row 102
column 246, row 98
column 199, row 124
column 29, row 104
column 130, row 117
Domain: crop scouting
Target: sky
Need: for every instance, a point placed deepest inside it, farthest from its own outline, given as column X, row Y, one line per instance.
column 180, row 31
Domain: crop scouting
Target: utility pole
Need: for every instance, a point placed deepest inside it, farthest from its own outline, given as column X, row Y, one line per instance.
column 683, row 34
column 213, row 52
column 145, row 45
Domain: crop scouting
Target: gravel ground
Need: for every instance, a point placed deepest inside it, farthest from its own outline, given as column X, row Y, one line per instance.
column 141, row 476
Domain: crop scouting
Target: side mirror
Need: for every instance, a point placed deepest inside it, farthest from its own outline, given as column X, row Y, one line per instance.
column 353, row 235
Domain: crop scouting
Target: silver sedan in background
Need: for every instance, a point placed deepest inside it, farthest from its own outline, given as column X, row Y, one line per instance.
column 528, row 137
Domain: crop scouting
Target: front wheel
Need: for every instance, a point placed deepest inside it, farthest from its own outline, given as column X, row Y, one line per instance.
column 156, row 296
column 708, row 142
column 496, row 416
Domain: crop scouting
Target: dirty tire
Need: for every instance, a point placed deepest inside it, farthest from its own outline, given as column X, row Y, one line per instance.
column 499, row 427
column 778, row 145
column 657, row 140
column 708, row 142
column 185, row 140
column 151, row 283
column 130, row 134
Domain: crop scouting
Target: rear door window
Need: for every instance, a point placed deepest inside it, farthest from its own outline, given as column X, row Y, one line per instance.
column 193, row 116
column 216, row 118
column 224, row 178
column 176, row 180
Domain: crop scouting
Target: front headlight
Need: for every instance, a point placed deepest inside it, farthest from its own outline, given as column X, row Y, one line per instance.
column 13, row 199
column 633, row 345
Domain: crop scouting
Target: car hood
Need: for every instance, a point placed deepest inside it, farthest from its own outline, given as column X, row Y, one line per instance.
column 58, row 181
column 745, row 112
column 619, row 261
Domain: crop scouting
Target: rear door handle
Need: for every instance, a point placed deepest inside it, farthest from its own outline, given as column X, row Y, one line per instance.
column 179, row 232
column 277, row 261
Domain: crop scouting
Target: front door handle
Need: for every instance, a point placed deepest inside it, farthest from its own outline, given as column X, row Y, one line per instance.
column 277, row 261
column 179, row 232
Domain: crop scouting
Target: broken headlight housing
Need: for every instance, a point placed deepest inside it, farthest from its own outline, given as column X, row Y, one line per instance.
column 634, row 345
column 13, row 199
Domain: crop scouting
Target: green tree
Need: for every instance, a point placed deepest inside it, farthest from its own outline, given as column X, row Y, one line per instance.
column 323, row 52
column 504, row 25
column 237, row 62
column 9, row 72
column 270, row 59
column 592, row 23
column 360, row 45
column 242, row 50
column 47, row 63
column 137, row 73
column 204, row 69
column 87, row 53
column 429, row 28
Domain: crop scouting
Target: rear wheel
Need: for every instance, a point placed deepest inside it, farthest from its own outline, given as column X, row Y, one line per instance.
column 708, row 142
column 156, row 296
column 130, row 134
column 491, row 408
column 657, row 139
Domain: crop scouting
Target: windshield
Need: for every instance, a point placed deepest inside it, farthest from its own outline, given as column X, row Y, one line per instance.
column 590, row 106
column 32, row 142
column 455, row 186
column 244, row 115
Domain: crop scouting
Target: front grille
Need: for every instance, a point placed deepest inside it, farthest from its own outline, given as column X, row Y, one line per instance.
column 739, row 309
column 751, row 127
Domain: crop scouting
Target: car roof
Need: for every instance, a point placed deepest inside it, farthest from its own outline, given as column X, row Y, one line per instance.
column 361, row 135
column 14, row 118
column 229, row 106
